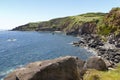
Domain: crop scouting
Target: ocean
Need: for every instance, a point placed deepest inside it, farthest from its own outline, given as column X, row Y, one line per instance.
column 20, row 48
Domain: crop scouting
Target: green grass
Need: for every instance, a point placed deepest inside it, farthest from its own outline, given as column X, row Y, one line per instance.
column 77, row 21
column 86, row 19
column 103, row 75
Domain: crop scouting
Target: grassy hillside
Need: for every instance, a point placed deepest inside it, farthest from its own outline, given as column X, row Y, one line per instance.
column 66, row 24
column 103, row 75
column 110, row 23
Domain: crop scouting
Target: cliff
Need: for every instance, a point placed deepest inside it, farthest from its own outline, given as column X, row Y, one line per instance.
column 70, row 25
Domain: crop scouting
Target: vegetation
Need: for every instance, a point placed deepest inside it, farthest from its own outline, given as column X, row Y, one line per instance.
column 70, row 23
column 110, row 23
column 103, row 75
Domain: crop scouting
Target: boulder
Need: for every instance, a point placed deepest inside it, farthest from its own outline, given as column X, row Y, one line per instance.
column 117, row 45
column 108, row 63
column 95, row 63
column 76, row 44
column 63, row 68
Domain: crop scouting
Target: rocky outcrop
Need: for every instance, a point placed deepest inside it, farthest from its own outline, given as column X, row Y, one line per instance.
column 95, row 63
column 63, row 68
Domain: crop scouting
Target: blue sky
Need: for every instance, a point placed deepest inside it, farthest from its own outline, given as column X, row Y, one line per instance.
column 18, row 12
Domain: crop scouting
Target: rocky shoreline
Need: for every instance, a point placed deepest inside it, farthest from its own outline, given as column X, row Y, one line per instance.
column 106, row 50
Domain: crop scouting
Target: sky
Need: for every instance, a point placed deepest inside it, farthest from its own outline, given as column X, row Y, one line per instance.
column 14, row 13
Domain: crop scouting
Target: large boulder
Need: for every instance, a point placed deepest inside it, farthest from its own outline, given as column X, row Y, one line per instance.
column 63, row 68
column 95, row 63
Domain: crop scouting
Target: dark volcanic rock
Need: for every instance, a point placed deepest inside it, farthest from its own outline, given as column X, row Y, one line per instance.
column 110, row 53
column 95, row 63
column 64, row 68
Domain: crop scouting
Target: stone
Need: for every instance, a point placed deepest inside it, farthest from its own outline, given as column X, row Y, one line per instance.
column 76, row 44
column 117, row 57
column 118, row 45
column 92, row 45
column 116, row 60
column 108, row 63
column 63, row 68
column 95, row 63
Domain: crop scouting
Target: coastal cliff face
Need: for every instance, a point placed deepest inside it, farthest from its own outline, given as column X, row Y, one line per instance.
column 73, row 25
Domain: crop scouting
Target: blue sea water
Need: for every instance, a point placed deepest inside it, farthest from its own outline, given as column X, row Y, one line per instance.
column 20, row 48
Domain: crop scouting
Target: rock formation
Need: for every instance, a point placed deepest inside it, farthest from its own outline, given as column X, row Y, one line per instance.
column 63, row 68
column 95, row 63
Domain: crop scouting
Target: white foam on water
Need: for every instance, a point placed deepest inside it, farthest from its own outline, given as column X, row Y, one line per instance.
column 93, row 51
column 11, row 40
column 5, row 73
column 2, row 79
column 8, row 71
column 70, row 43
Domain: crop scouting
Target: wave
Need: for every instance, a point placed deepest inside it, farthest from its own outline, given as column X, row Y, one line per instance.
column 70, row 43
column 2, row 51
column 93, row 51
column 11, row 40
column 4, row 73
